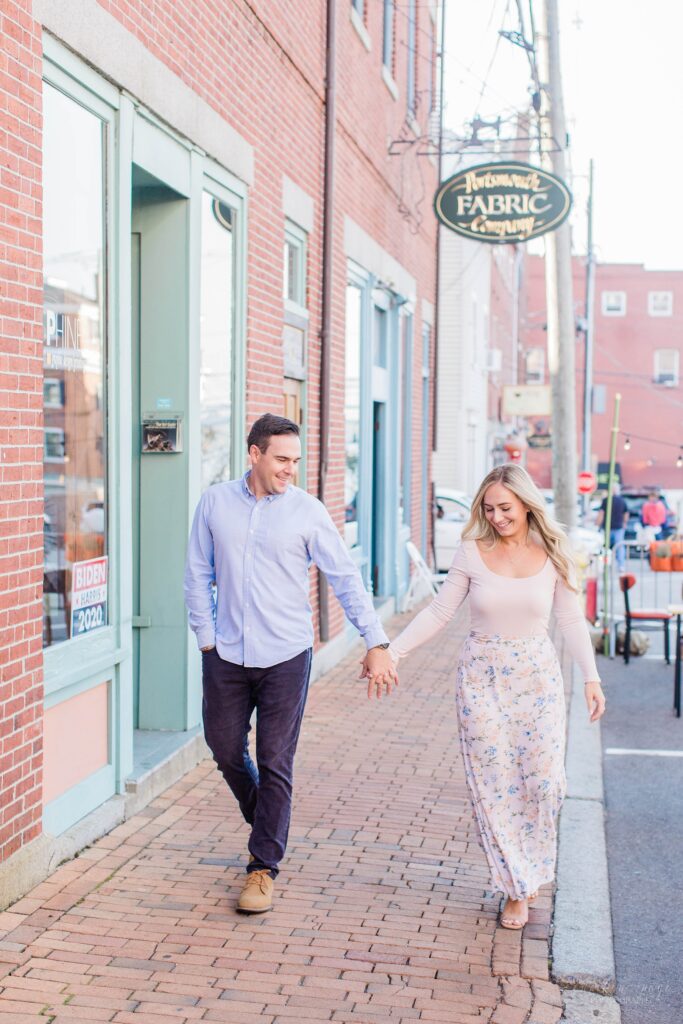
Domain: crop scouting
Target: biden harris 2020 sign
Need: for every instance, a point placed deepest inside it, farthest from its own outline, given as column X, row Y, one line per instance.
column 502, row 202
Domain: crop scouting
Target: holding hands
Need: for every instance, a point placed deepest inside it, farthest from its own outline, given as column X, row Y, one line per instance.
column 379, row 669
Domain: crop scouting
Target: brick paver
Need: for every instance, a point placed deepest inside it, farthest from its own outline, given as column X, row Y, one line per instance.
column 383, row 910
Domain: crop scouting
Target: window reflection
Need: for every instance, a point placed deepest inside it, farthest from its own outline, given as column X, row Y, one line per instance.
column 352, row 413
column 73, row 356
column 216, row 339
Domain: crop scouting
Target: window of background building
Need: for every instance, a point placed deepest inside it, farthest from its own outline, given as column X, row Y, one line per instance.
column 75, row 472
column 217, row 308
column 354, row 312
column 426, row 392
column 388, row 36
column 295, row 267
column 666, row 367
column 411, row 83
column 406, row 416
column 380, row 342
column 614, row 303
column 53, row 393
column 660, row 303
column 295, row 332
column 534, row 359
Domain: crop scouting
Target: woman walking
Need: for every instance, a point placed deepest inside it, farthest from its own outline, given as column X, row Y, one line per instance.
column 515, row 565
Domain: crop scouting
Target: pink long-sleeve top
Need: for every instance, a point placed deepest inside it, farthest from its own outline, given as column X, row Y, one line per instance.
column 503, row 606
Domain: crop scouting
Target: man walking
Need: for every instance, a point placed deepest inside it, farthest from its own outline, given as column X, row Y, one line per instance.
column 254, row 540
column 617, row 525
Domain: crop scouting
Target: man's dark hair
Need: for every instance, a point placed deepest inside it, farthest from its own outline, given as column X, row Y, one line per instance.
column 268, row 426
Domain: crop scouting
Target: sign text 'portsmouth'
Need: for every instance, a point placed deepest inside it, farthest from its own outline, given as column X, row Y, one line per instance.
column 496, row 202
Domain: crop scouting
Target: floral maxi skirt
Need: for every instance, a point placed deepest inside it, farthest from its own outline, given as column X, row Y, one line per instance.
column 511, row 710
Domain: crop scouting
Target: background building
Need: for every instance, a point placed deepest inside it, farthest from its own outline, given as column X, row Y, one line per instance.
column 164, row 183
column 638, row 332
column 478, row 356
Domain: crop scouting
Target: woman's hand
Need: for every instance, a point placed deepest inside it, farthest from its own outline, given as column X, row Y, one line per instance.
column 595, row 700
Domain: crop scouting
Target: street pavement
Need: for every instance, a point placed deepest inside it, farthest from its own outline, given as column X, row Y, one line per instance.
column 383, row 909
column 644, row 803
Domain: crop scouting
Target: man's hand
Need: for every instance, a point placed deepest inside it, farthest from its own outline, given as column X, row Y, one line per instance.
column 379, row 669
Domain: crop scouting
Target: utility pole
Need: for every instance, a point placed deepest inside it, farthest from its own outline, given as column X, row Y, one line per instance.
column 558, row 274
column 588, row 337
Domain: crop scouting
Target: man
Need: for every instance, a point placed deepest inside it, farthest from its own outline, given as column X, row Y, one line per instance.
column 617, row 525
column 254, row 539
column 653, row 514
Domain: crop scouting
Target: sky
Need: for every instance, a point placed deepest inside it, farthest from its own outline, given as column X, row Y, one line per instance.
column 622, row 71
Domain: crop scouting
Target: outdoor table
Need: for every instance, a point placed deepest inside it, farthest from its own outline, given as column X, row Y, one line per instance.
column 677, row 610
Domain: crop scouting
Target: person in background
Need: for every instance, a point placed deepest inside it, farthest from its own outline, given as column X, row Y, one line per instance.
column 255, row 540
column 617, row 526
column 653, row 514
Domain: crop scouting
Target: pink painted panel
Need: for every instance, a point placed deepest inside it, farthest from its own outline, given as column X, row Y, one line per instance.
column 75, row 740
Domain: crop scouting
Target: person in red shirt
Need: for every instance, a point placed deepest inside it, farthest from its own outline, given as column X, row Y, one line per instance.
column 653, row 513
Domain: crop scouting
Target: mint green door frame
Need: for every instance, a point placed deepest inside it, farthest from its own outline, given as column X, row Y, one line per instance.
column 79, row 664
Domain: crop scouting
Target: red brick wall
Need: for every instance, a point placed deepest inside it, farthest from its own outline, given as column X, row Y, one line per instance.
column 624, row 349
column 21, row 437
column 260, row 64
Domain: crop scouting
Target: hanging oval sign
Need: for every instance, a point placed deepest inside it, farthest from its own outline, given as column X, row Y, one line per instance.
column 509, row 202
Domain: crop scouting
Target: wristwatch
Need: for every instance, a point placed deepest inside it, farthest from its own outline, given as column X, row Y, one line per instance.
column 380, row 647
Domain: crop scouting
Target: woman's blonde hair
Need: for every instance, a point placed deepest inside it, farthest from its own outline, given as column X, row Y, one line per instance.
column 550, row 533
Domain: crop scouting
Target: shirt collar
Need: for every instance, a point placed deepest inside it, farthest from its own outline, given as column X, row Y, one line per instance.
column 250, row 494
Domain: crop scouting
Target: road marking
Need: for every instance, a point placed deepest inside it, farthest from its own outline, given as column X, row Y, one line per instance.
column 645, row 753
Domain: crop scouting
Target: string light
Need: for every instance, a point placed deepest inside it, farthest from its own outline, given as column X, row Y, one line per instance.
column 679, row 460
column 627, row 444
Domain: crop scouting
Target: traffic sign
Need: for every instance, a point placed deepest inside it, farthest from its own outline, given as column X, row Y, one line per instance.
column 587, row 483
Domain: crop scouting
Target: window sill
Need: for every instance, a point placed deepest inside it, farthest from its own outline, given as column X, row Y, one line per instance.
column 388, row 80
column 360, row 28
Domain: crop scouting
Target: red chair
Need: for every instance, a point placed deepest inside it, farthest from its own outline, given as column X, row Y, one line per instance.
column 642, row 615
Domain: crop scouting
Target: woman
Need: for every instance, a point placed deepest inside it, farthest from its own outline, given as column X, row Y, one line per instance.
column 515, row 565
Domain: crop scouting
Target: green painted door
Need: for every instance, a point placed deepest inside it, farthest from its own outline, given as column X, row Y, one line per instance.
column 160, row 476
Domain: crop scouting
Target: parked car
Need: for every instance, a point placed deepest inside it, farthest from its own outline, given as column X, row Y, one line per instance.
column 452, row 512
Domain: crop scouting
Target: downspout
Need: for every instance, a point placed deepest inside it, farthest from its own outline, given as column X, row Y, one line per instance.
column 437, row 275
column 326, row 300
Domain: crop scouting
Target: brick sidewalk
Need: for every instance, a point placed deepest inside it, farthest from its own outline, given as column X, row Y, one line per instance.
column 382, row 911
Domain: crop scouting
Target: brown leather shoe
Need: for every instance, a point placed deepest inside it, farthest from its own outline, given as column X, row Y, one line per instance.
column 257, row 893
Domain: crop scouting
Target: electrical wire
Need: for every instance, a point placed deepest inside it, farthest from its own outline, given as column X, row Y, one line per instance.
column 650, row 440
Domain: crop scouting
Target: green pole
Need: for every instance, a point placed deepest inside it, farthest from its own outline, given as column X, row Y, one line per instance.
column 606, row 609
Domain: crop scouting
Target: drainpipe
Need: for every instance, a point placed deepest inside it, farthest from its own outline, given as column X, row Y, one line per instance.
column 326, row 303
column 437, row 274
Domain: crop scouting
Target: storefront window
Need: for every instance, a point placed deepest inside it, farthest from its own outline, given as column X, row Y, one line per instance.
column 352, row 413
column 74, row 359
column 217, row 319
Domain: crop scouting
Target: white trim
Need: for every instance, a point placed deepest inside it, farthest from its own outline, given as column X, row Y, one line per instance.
column 369, row 254
column 609, row 299
column 644, row 753
column 427, row 312
column 85, row 27
column 653, row 297
column 360, row 28
column 297, row 205
column 388, row 80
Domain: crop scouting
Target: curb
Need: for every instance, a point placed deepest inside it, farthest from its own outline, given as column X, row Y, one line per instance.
column 583, row 943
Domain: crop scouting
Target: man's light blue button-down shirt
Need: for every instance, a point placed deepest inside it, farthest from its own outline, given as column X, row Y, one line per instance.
column 258, row 554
